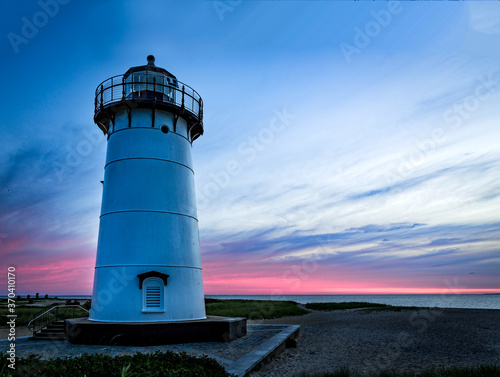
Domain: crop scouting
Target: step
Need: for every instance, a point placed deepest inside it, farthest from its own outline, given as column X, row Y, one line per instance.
column 53, row 331
column 49, row 333
column 45, row 336
column 54, row 325
column 57, row 324
column 48, row 338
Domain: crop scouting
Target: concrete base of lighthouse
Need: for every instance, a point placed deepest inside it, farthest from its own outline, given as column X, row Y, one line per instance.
column 211, row 329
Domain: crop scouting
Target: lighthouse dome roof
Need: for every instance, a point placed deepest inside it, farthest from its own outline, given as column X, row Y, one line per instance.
column 149, row 67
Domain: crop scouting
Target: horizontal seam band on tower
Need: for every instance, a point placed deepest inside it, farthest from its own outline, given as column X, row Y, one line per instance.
column 146, row 265
column 149, row 128
column 148, row 158
column 148, row 210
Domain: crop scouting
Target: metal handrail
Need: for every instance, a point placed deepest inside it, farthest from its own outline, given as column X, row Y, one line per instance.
column 44, row 309
column 186, row 98
column 43, row 320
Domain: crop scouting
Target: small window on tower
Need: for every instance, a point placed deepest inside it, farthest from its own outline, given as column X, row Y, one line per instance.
column 153, row 295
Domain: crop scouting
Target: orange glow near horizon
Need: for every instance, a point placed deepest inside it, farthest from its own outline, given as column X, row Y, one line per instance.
column 368, row 291
column 257, row 278
column 62, row 282
column 62, row 279
column 277, row 287
column 54, row 275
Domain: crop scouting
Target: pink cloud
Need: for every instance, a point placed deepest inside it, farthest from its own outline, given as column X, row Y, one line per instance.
column 276, row 279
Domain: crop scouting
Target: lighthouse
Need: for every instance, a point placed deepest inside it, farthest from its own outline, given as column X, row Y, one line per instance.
column 148, row 266
column 148, row 286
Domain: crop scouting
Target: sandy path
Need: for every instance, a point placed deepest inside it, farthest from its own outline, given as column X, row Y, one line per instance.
column 406, row 341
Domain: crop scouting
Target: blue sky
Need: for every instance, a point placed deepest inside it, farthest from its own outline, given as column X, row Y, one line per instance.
column 349, row 147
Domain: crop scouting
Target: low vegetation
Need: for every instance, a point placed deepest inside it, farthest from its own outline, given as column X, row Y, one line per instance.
column 26, row 313
column 253, row 309
column 164, row 364
column 368, row 306
column 478, row 371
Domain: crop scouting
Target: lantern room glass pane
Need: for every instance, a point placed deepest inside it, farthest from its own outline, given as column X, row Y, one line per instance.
column 141, row 81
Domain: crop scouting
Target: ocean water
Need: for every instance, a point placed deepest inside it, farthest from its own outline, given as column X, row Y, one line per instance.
column 464, row 301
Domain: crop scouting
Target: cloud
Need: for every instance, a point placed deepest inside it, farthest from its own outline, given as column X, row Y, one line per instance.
column 371, row 228
column 484, row 17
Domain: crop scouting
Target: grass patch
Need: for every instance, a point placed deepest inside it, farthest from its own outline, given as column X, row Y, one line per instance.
column 368, row 306
column 252, row 309
column 164, row 364
column 3, row 301
column 26, row 313
column 479, row 371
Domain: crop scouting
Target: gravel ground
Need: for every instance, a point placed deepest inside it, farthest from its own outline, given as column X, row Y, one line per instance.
column 372, row 341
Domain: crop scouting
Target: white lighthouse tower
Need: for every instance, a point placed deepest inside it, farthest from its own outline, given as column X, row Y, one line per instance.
column 148, row 266
column 148, row 287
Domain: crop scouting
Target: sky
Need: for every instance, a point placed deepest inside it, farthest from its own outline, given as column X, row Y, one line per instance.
column 349, row 147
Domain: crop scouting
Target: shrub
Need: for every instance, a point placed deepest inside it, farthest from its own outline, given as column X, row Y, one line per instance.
column 211, row 300
column 164, row 364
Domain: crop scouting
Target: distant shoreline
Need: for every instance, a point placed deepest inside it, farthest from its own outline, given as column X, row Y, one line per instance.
column 303, row 295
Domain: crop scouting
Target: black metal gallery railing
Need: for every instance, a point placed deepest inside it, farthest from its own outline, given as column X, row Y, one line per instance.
column 148, row 86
